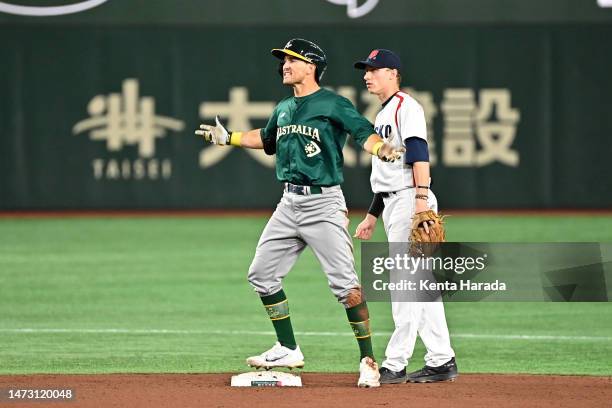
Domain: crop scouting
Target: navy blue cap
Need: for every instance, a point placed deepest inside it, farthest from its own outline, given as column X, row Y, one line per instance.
column 380, row 58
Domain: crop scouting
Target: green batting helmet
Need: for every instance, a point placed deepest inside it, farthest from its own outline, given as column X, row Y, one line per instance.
column 306, row 51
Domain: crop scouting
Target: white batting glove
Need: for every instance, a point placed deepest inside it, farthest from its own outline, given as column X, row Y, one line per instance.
column 217, row 134
column 389, row 153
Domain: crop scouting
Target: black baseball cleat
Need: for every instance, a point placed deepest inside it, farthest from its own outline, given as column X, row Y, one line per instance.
column 445, row 372
column 392, row 377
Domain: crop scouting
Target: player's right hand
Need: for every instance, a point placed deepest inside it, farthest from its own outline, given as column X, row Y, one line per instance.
column 217, row 134
column 365, row 229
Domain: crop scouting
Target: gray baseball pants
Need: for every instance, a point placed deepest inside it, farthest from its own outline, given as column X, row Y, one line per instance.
column 319, row 221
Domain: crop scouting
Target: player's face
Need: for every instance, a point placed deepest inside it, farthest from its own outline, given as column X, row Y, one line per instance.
column 295, row 70
column 378, row 80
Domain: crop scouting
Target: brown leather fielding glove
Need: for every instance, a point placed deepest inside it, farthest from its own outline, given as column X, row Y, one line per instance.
column 424, row 242
column 435, row 226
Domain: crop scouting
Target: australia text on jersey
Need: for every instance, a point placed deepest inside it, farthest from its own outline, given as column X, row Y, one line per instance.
column 310, row 149
column 301, row 129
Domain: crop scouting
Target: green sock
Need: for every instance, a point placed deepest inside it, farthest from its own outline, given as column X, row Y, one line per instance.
column 278, row 309
column 359, row 318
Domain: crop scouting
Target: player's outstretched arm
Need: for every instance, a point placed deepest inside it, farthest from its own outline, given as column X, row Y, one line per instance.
column 219, row 135
column 250, row 139
column 376, row 146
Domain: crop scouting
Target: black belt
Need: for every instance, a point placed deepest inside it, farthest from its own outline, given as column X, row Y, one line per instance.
column 302, row 190
column 389, row 194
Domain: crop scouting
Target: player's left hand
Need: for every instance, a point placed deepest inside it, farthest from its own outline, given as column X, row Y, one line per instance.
column 217, row 134
column 427, row 226
column 389, row 153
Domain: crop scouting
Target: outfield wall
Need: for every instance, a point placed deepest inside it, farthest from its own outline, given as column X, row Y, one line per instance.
column 97, row 109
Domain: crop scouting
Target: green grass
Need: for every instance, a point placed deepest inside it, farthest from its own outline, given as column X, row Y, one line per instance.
column 188, row 276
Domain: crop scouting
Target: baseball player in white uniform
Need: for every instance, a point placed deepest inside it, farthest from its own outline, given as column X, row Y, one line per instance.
column 401, row 189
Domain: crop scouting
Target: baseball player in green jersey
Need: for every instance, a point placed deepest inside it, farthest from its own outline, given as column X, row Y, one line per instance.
column 307, row 132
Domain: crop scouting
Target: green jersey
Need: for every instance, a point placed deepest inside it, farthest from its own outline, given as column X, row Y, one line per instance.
column 308, row 133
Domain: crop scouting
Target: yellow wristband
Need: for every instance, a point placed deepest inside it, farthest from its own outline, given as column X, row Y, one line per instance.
column 236, row 138
column 376, row 148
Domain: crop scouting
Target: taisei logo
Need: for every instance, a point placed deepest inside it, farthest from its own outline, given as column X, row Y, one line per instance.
column 42, row 11
column 127, row 119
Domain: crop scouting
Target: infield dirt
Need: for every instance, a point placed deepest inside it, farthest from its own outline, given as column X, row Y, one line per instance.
column 320, row 390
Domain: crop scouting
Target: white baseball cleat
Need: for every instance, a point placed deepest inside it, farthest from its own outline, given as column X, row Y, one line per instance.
column 368, row 373
column 278, row 356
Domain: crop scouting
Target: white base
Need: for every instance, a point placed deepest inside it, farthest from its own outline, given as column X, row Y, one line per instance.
column 266, row 379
